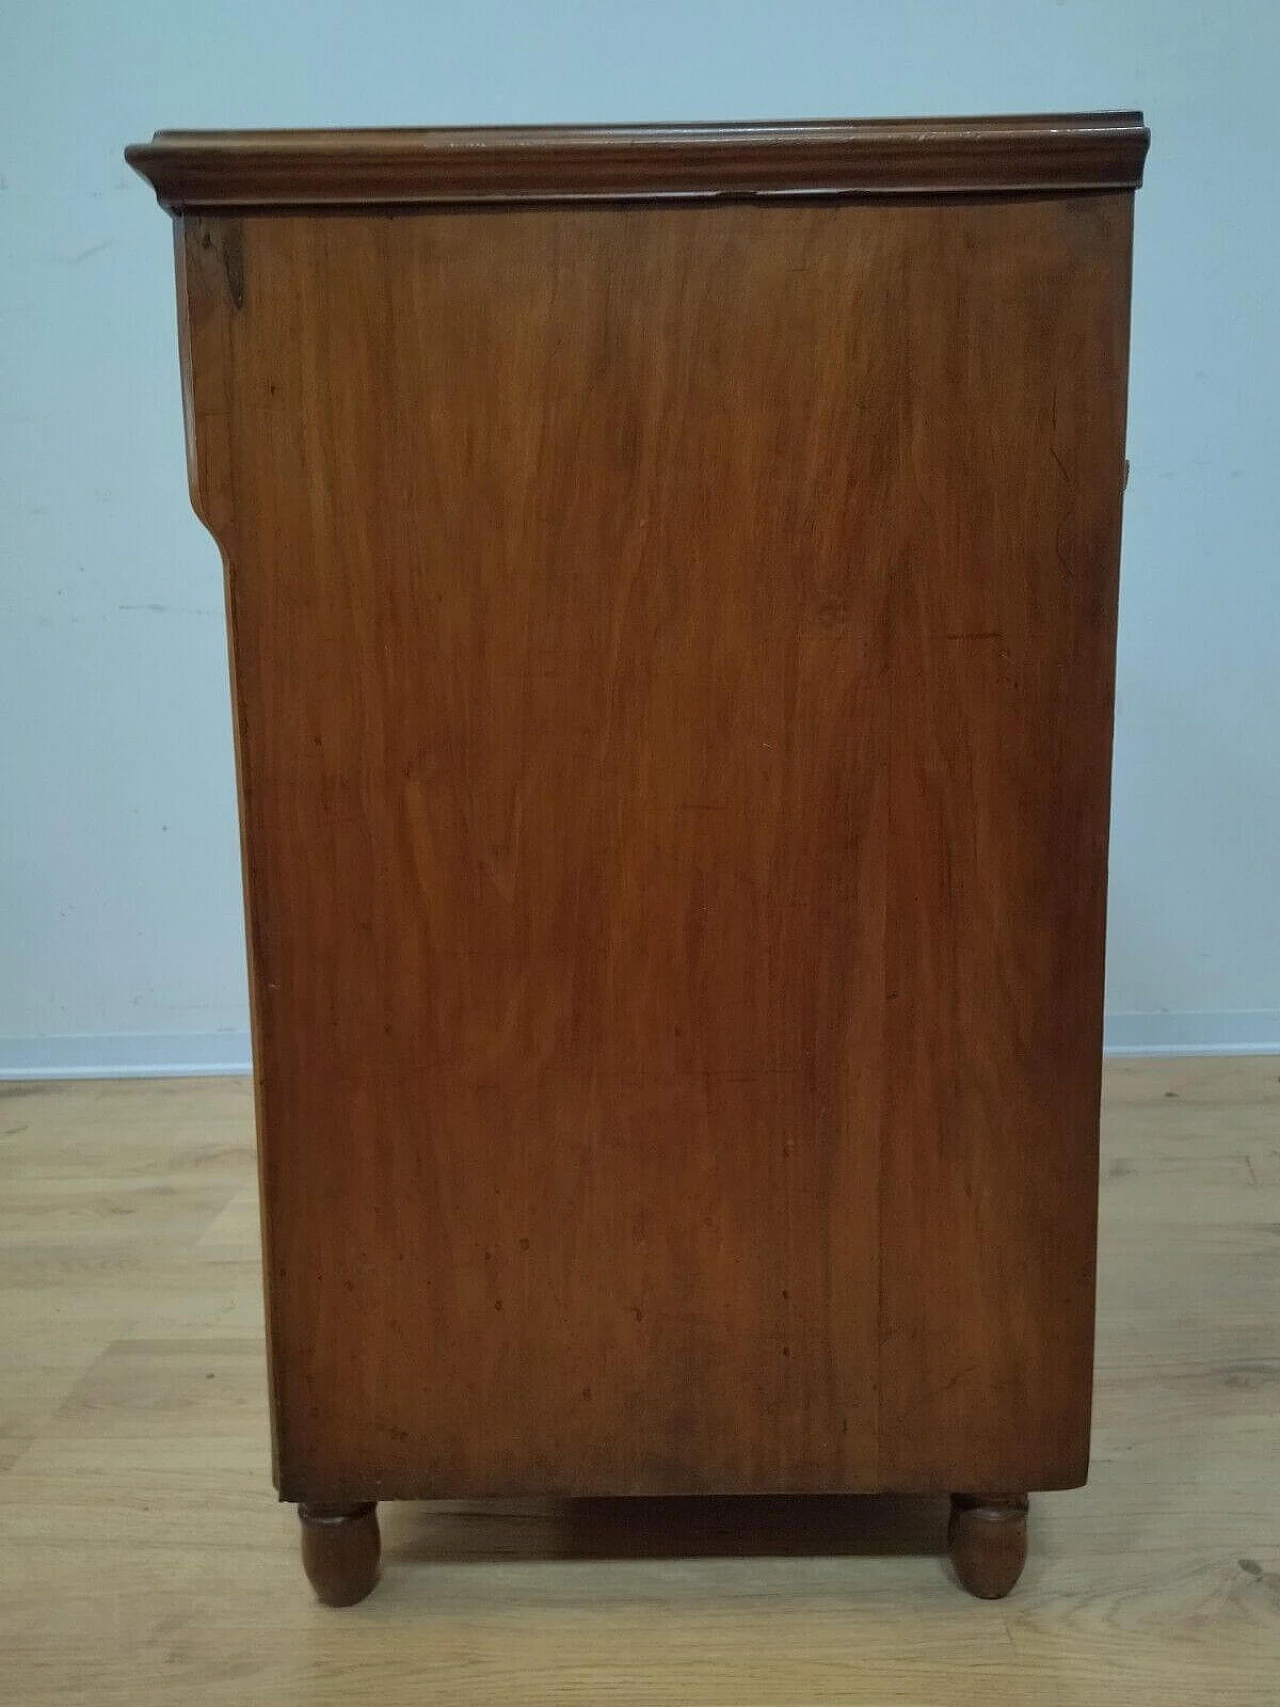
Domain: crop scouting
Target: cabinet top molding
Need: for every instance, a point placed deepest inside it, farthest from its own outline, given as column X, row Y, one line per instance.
column 192, row 170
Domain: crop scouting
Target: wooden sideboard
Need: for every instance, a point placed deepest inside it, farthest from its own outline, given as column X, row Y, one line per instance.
column 671, row 578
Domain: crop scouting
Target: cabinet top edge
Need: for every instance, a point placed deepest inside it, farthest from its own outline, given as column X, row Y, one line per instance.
column 193, row 170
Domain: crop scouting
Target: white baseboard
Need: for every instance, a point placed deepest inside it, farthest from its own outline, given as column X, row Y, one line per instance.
column 141, row 1055
column 1256, row 1033
column 173, row 1055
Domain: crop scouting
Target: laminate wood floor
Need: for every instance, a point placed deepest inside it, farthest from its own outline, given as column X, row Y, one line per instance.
column 142, row 1558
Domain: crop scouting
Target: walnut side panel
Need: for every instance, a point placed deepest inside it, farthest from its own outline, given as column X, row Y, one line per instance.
column 564, row 774
column 1004, row 623
column 673, row 656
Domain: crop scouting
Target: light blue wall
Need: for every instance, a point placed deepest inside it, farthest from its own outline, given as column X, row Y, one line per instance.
column 120, row 925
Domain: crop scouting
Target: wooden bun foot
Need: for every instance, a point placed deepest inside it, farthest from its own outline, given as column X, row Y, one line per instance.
column 340, row 1548
column 987, row 1541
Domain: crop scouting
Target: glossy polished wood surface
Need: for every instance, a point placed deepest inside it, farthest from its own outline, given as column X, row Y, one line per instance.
column 673, row 652
column 199, row 170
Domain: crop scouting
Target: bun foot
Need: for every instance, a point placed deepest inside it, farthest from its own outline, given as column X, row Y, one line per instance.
column 987, row 1541
column 340, row 1548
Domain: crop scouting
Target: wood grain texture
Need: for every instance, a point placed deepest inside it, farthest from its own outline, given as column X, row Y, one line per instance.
column 673, row 654
column 201, row 170
column 142, row 1559
column 558, row 979
column 1003, row 643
